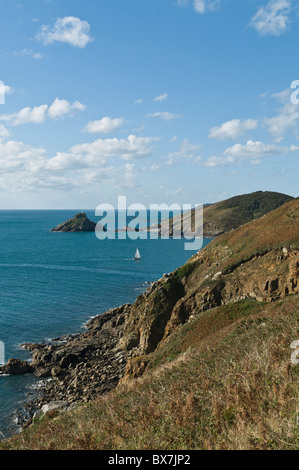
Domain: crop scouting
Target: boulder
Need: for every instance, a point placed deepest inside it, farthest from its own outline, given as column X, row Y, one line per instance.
column 55, row 406
column 42, row 372
column 16, row 367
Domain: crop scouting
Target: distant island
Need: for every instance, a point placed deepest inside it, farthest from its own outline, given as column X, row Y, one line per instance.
column 79, row 223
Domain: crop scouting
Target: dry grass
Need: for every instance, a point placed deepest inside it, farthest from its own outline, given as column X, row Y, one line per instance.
column 230, row 386
column 275, row 230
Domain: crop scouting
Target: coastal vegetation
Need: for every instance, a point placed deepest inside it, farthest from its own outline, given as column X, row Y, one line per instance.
column 227, row 215
column 207, row 353
column 224, row 381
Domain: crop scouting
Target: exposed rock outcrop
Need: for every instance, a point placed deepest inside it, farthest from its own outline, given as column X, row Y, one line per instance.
column 79, row 223
column 16, row 367
column 84, row 365
column 260, row 260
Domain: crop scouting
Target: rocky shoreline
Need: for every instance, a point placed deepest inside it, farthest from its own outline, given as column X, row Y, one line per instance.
column 77, row 368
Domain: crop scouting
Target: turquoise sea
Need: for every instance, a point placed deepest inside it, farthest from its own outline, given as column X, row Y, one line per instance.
column 52, row 283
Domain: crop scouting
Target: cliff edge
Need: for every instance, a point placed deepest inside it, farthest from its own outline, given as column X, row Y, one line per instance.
column 205, row 359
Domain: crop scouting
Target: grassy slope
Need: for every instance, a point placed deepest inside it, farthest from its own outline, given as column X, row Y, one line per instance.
column 278, row 229
column 231, row 213
column 223, row 381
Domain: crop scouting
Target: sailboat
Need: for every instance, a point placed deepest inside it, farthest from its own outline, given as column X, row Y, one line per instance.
column 137, row 256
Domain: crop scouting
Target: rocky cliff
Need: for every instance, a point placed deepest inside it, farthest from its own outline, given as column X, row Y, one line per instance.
column 259, row 260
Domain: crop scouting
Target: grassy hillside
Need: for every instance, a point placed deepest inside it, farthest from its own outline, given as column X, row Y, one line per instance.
column 231, row 213
column 258, row 260
column 223, row 381
column 210, row 363
column 277, row 229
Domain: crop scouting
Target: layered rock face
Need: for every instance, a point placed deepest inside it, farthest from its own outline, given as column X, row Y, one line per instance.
column 259, row 260
column 171, row 302
column 79, row 223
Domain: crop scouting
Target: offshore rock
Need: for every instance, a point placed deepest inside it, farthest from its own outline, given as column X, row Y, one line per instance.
column 79, row 223
column 16, row 367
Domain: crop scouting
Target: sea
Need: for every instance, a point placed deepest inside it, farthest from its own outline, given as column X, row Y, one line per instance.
column 51, row 284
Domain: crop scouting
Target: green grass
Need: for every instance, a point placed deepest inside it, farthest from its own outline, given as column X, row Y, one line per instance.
column 236, row 211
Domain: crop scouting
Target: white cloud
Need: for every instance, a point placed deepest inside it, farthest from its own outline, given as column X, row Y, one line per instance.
column 69, row 30
column 25, row 168
column 166, row 116
column 8, row 90
column 122, row 177
column 253, row 151
column 38, row 114
column 131, row 148
column 187, row 153
column 28, row 53
column 85, row 166
column 162, row 97
column 155, row 167
column 201, row 6
column 282, row 96
column 61, row 108
column 273, row 19
column 140, row 101
column 286, row 119
column 16, row 156
column 219, row 161
column 232, row 129
column 104, row 125
column 4, row 133
column 182, row 3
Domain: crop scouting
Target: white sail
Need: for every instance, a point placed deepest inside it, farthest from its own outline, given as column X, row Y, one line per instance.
column 137, row 255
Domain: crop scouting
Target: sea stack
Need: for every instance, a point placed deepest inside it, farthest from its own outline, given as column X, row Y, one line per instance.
column 79, row 223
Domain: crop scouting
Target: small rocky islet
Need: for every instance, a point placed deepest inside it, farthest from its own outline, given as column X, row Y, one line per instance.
column 79, row 223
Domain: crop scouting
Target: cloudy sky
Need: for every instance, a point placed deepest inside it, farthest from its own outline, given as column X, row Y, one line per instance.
column 175, row 101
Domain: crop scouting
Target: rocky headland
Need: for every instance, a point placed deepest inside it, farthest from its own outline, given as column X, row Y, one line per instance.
column 258, row 261
column 224, row 216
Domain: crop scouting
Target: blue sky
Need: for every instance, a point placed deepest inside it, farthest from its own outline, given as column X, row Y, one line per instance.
column 174, row 101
